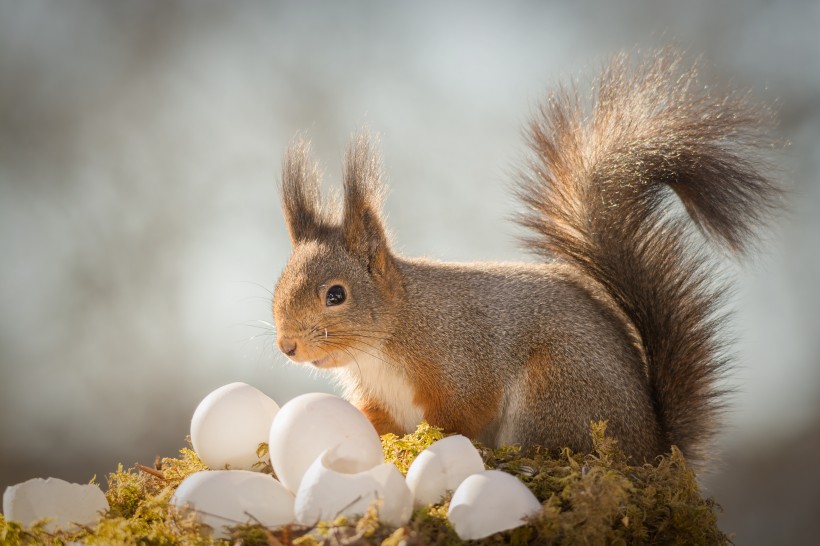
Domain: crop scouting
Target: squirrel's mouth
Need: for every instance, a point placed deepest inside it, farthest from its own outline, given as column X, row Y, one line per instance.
column 327, row 361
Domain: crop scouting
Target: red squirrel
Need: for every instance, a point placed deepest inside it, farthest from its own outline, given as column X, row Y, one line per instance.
column 620, row 322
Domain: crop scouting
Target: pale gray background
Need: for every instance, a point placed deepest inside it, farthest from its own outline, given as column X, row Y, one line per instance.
column 140, row 230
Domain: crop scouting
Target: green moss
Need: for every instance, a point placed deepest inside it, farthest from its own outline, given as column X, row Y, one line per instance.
column 586, row 499
column 402, row 451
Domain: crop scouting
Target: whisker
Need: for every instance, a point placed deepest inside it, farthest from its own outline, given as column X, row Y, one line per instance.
column 370, row 341
column 359, row 335
column 362, row 332
column 267, row 348
column 336, row 322
column 328, row 329
column 367, row 338
column 377, row 355
column 263, row 287
column 356, row 340
column 265, row 327
column 265, row 299
column 348, row 352
column 268, row 335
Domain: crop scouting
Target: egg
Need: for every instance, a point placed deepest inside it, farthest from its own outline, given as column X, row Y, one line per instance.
column 225, row 498
column 66, row 505
column 442, row 467
column 229, row 424
column 490, row 502
column 329, row 489
column 313, row 423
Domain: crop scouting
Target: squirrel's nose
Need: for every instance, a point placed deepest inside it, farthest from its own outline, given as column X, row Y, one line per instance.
column 287, row 346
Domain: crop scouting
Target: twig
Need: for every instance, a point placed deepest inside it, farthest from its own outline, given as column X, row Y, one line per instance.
column 149, row 470
column 272, row 540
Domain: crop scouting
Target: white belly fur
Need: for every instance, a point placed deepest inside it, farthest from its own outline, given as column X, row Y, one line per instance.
column 371, row 377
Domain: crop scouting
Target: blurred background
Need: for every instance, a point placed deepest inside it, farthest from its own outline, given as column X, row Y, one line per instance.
column 141, row 234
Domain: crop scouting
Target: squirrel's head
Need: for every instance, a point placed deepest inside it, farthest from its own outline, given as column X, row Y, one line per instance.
column 337, row 296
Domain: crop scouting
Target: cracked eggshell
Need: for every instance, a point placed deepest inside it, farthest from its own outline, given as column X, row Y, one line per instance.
column 442, row 467
column 330, row 488
column 312, row 423
column 67, row 505
column 229, row 424
column 490, row 502
column 224, row 498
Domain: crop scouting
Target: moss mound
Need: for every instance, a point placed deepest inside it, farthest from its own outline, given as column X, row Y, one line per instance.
column 587, row 499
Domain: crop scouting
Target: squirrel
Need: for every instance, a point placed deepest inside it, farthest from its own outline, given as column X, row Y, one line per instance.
column 621, row 321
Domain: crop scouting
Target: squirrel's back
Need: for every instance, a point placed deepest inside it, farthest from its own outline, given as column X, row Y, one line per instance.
column 548, row 341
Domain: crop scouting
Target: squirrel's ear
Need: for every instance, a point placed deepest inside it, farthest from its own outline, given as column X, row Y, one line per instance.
column 300, row 192
column 362, row 229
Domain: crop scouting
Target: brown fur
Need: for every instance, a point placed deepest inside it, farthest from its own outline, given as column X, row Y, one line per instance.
column 620, row 324
column 382, row 421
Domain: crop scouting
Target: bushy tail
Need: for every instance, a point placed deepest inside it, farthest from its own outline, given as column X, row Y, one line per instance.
column 597, row 192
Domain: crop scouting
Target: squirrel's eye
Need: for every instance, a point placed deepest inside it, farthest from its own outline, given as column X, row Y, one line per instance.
column 335, row 295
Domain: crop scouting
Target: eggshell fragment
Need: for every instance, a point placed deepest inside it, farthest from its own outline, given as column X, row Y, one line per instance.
column 442, row 467
column 312, row 423
column 328, row 490
column 229, row 424
column 490, row 502
column 224, row 498
column 67, row 505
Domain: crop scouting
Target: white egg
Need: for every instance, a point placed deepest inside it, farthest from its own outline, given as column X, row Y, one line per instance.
column 442, row 467
column 329, row 489
column 224, row 498
column 229, row 424
column 311, row 424
column 490, row 502
column 67, row 505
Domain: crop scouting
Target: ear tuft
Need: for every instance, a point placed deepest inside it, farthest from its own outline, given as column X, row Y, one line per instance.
column 363, row 174
column 300, row 192
column 363, row 231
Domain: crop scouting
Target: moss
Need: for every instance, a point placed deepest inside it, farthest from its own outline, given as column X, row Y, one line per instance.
column 402, row 451
column 590, row 499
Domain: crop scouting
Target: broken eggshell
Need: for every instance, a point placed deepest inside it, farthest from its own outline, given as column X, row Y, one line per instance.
column 490, row 502
column 332, row 487
column 229, row 424
column 442, row 467
column 312, row 423
column 66, row 505
column 225, row 498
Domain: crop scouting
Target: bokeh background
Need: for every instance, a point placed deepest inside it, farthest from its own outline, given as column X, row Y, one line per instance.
column 140, row 230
